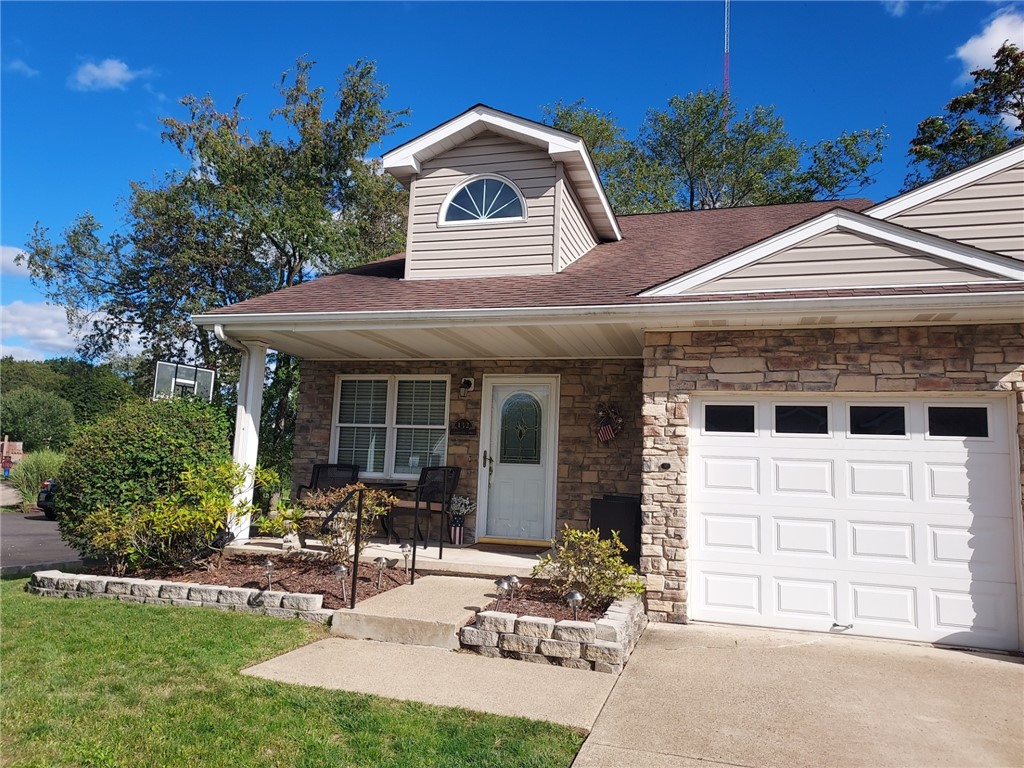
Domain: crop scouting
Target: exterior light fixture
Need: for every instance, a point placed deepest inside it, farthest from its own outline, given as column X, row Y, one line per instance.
column 513, row 582
column 381, row 563
column 406, row 551
column 340, row 571
column 503, row 587
column 268, row 571
column 574, row 600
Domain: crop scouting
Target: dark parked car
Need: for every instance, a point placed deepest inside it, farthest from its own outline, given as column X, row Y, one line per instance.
column 46, row 500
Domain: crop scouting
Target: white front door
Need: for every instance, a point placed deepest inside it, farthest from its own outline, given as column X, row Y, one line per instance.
column 518, row 436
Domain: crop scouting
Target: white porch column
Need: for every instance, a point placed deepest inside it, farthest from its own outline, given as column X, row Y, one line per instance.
column 247, row 427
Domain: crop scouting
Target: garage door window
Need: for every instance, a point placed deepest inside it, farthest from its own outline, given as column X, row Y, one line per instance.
column 794, row 419
column 949, row 421
column 878, row 420
column 729, row 419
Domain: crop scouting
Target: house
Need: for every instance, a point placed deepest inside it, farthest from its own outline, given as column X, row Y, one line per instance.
column 821, row 404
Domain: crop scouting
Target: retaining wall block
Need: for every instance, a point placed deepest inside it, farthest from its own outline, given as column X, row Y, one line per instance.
column 147, row 588
column 131, row 599
column 534, row 658
column 610, row 631
column 217, row 606
column 607, row 668
column 235, row 596
column 488, row 651
column 534, row 626
column 476, row 637
column 93, row 585
column 283, row 613
column 266, row 599
column 574, row 664
column 578, row 631
column 157, row 601
column 172, row 591
column 66, row 583
column 518, row 643
column 560, row 649
column 120, row 586
column 204, row 594
column 496, row 621
column 302, row 602
column 601, row 650
column 187, row 603
column 45, row 579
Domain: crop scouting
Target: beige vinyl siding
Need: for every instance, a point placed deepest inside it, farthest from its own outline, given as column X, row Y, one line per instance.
column 483, row 250
column 574, row 233
column 988, row 214
column 841, row 260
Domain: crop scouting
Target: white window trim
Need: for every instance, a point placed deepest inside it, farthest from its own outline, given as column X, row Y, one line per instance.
column 441, row 222
column 390, row 426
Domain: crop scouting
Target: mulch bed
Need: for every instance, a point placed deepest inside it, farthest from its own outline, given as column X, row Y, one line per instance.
column 536, row 598
column 292, row 573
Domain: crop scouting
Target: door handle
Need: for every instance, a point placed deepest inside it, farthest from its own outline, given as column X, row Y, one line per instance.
column 489, row 463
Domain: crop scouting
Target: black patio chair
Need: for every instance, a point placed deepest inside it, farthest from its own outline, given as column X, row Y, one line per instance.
column 436, row 485
column 328, row 476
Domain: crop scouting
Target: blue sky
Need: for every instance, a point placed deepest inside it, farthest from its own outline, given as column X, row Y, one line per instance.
column 83, row 83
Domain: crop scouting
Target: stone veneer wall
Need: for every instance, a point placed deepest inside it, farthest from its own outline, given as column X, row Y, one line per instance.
column 586, row 467
column 936, row 359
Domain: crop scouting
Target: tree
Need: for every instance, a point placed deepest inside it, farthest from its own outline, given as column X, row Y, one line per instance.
column 701, row 152
column 975, row 124
column 256, row 212
column 29, row 373
column 92, row 390
column 36, row 418
column 631, row 181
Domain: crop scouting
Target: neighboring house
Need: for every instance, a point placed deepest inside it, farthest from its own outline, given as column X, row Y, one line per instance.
column 822, row 403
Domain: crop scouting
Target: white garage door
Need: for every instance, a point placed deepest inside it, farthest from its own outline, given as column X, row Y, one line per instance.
column 894, row 516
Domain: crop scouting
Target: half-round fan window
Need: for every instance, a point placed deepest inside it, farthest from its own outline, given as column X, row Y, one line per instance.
column 484, row 199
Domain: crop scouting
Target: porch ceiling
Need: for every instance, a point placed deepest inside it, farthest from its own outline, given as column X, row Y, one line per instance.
column 586, row 332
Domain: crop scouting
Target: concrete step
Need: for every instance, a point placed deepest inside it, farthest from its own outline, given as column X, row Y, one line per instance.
column 430, row 612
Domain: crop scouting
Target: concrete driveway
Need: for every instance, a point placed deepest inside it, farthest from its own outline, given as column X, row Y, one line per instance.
column 710, row 696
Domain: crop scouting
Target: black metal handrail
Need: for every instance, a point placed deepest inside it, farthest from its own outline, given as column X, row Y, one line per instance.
column 325, row 528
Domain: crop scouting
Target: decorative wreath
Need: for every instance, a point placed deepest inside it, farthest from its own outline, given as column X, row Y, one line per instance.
column 607, row 421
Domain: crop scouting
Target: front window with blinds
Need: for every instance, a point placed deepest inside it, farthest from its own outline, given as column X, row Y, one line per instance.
column 391, row 426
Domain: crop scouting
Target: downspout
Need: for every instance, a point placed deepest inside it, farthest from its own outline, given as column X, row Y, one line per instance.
column 218, row 332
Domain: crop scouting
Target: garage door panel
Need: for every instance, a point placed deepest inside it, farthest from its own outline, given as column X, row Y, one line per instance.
column 804, row 477
column 908, row 537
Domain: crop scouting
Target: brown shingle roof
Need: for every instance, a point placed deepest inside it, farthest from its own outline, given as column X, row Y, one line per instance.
column 654, row 248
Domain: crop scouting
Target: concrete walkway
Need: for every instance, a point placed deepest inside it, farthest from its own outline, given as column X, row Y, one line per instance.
column 711, row 696
column 569, row 697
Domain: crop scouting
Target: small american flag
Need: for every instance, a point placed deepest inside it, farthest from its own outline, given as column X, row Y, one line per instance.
column 605, row 432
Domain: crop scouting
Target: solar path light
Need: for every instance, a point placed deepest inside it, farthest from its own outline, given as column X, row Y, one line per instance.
column 513, row 582
column 380, row 562
column 503, row 587
column 406, row 551
column 268, row 571
column 574, row 600
column 340, row 572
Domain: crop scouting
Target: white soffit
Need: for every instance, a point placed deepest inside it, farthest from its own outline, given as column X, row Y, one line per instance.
column 884, row 232
column 954, row 181
column 405, row 161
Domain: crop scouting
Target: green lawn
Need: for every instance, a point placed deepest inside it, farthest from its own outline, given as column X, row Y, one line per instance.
column 100, row 683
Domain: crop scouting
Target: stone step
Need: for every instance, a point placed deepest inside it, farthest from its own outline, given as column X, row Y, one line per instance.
column 430, row 612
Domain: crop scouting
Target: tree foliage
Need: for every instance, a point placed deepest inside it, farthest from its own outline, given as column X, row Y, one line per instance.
column 975, row 124
column 91, row 390
column 257, row 211
column 701, row 151
column 38, row 419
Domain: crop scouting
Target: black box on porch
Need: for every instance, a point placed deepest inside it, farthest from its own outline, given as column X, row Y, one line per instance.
column 618, row 512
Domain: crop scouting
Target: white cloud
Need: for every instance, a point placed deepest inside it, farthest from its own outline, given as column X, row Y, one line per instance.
column 895, row 8
column 37, row 328
column 7, row 265
column 979, row 51
column 22, row 68
column 108, row 74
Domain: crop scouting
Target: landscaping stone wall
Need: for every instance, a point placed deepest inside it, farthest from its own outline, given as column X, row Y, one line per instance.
column 285, row 605
column 935, row 359
column 586, row 466
column 601, row 646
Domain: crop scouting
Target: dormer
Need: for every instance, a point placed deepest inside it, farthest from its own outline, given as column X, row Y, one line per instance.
column 492, row 194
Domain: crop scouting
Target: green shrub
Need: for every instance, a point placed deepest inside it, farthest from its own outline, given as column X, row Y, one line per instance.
column 29, row 473
column 173, row 529
column 591, row 566
column 38, row 419
column 127, row 461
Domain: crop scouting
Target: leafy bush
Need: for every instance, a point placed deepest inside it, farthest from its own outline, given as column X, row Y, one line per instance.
column 128, row 460
column 38, row 419
column 340, row 537
column 591, row 566
column 173, row 529
column 29, row 473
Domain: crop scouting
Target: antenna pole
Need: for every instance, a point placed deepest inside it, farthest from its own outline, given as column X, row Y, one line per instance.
column 725, row 62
